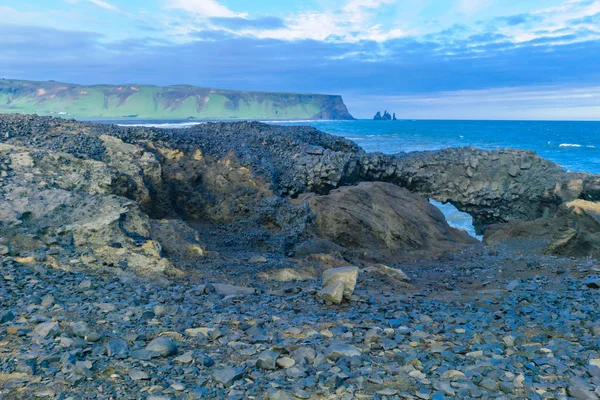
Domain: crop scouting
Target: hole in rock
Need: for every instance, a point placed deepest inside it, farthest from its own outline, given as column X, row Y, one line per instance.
column 456, row 218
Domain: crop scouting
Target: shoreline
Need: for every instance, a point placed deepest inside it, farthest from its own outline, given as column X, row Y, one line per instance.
column 175, row 264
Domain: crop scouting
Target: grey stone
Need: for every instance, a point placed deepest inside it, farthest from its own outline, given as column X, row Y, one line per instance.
column 47, row 330
column 333, row 292
column 334, row 352
column 163, row 346
column 138, row 375
column 228, row 376
column 346, row 275
column 117, row 349
column 267, row 360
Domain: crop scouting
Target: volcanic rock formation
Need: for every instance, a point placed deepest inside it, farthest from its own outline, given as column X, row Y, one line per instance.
column 95, row 190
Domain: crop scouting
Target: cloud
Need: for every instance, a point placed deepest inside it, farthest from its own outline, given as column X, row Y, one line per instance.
column 403, row 65
column 407, row 73
column 354, row 21
column 104, row 4
column 239, row 23
column 205, row 8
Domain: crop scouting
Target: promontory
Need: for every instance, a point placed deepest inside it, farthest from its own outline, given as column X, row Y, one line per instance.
column 168, row 102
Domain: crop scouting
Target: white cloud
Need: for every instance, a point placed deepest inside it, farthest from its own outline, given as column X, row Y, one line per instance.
column 557, row 22
column 103, row 4
column 354, row 21
column 205, row 8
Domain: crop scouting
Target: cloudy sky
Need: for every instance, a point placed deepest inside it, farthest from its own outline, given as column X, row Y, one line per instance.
column 473, row 59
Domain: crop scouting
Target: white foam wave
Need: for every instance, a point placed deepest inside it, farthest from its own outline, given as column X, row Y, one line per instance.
column 180, row 125
column 569, row 145
column 296, row 121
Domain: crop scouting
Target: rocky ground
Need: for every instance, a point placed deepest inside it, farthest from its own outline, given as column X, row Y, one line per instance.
column 486, row 323
column 154, row 264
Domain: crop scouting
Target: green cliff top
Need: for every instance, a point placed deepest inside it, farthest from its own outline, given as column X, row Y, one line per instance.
column 168, row 102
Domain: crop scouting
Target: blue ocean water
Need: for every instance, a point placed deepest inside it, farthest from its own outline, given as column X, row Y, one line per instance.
column 573, row 145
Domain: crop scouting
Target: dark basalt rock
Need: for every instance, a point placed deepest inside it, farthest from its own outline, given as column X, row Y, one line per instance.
column 244, row 174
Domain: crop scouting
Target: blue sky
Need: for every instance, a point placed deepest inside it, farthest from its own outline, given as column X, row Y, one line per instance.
column 467, row 59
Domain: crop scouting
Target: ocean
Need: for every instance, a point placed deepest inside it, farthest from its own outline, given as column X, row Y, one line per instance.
column 573, row 145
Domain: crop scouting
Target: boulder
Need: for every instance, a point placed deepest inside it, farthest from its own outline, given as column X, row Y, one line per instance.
column 334, row 292
column 345, row 275
column 379, row 215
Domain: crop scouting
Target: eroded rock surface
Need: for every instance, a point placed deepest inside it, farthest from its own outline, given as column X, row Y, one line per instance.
column 384, row 216
column 574, row 231
column 241, row 175
column 55, row 201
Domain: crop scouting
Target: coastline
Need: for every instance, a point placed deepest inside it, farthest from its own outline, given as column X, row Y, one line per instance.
column 189, row 263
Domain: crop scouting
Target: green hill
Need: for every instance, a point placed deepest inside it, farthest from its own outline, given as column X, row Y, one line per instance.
column 169, row 102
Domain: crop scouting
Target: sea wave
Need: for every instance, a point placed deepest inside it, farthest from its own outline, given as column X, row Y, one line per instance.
column 180, row 125
column 296, row 121
column 589, row 146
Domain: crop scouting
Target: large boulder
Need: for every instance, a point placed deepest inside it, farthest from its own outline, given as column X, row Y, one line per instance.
column 384, row 216
column 338, row 283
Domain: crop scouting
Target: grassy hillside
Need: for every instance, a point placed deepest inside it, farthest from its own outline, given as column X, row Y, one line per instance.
column 169, row 102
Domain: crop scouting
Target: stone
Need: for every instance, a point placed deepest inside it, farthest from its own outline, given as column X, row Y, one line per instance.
column 196, row 332
column 285, row 362
column 117, row 349
column 267, row 360
column 163, row 346
column 280, row 395
column 82, row 330
column 287, row 275
column 453, row 374
column 346, row 275
column 178, row 387
column 228, row 376
column 47, row 301
column 185, row 358
column 304, row 355
column 6, row 316
column 47, row 330
column 592, row 282
column 258, row 260
column 231, row 290
column 334, row 352
column 387, row 392
column 85, row 285
column 137, row 375
column 489, row 384
column 580, row 390
column 334, row 292
column 394, row 273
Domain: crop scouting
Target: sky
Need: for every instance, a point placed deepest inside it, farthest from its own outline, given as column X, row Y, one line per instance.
column 438, row 59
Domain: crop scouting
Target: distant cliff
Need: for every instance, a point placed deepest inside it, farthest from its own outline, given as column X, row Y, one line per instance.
column 169, row 102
